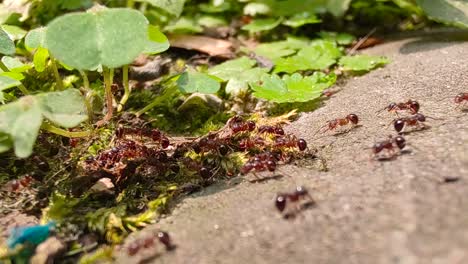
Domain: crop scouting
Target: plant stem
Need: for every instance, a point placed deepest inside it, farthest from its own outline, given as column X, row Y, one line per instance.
column 63, row 132
column 127, row 89
column 130, row 3
column 108, row 77
column 22, row 88
column 4, row 67
column 88, row 97
column 56, row 74
column 143, row 7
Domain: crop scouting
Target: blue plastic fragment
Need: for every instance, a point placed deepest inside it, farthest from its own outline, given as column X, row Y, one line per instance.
column 33, row 235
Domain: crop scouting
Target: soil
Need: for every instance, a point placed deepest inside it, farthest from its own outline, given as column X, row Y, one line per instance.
column 398, row 211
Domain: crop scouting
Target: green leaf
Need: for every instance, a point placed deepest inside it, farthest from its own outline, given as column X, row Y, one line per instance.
column 211, row 21
column 35, row 38
column 362, row 63
column 13, row 75
column 196, row 82
column 8, row 82
column 453, row 12
column 173, row 7
column 338, row 7
column 7, row 46
column 40, row 59
column 231, row 68
column 184, row 25
column 265, row 24
column 21, row 121
column 339, row 38
column 14, row 32
column 319, row 55
column 66, row 108
column 278, row 49
column 158, row 42
column 15, row 65
column 300, row 19
column 107, row 37
column 253, row 9
column 292, row 88
column 238, row 73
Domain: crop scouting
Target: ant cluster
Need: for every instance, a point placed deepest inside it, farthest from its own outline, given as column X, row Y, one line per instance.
column 150, row 242
column 288, row 204
column 214, row 155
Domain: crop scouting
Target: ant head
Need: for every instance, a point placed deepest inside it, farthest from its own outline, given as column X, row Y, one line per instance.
column 398, row 124
column 279, row 130
column 353, row 118
column 391, row 106
column 301, row 190
column 280, row 202
column 205, row 173
column 414, row 106
column 251, row 125
column 459, row 98
column 223, row 149
column 271, row 165
column 400, row 142
column 420, row 117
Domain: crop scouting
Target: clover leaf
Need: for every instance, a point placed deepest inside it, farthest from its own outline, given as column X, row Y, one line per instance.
column 20, row 121
column 108, row 37
column 292, row 88
column 362, row 63
column 237, row 73
column 264, row 24
column 173, row 7
column 7, row 46
column 157, row 43
column 319, row 55
column 192, row 82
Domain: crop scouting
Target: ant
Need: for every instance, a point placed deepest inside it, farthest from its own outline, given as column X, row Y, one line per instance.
column 249, row 143
column 237, row 125
column 461, row 98
column 411, row 105
column 21, row 183
column 415, row 120
column 260, row 162
column 154, row 134
column 291, row 142
column 148, row 242
column 271, row 130
column 333, row 124
column 298, row 195
column 389, row 145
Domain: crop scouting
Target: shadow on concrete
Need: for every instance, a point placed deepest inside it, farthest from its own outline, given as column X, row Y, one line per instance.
column 434, row 41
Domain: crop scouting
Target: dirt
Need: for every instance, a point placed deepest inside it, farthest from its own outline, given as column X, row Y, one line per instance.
column 398, row 211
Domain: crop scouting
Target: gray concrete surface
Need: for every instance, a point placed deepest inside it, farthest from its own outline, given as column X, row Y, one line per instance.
column 367, row 211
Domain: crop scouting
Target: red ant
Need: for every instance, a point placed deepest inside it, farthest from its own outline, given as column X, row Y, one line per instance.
column 19, row 184
column 148, row 242
column 415, row 120
column 154, row 134
column 390, row 145
column 461, row 98
column 291, row 142
column 411, row 105
column 329, row 92
column 299, row 194
column 237, row 125
column 260, row 162
column 249, row 143
column 333, row 124
column 271, row 130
